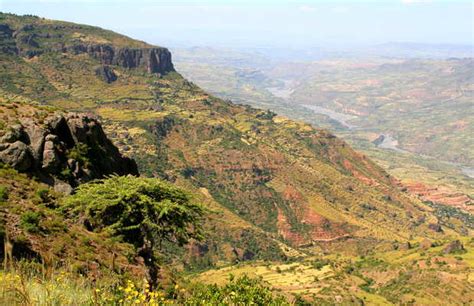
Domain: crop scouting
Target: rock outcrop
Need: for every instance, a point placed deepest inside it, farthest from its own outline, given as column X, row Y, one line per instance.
column 106, row 73
column 65, row 150
column 435, row 227
column 7, row 43
column 153, row 60
column 454, row 247
column 32, row 40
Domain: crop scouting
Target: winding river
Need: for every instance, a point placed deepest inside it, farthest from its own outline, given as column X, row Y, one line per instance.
column 336, row 116
column 387, row 142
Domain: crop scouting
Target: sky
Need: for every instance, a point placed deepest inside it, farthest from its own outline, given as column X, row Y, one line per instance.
column 266, row 23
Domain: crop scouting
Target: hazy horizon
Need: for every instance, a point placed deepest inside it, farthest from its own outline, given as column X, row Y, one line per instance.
column 260, row 24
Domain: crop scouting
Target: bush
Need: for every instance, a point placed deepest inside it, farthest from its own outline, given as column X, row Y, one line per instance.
column 79, row 153
column 29, row 221
column 3, row 193
column 240, row 291
column 43, row 196
column 318, row 264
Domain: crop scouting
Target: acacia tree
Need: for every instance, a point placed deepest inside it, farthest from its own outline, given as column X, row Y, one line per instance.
column 140, row 211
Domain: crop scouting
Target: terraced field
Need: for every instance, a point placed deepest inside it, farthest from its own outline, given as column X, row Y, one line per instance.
column 380, row 278
column 424, row 106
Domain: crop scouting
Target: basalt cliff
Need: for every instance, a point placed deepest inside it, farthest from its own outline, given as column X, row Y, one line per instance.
column 30, row 40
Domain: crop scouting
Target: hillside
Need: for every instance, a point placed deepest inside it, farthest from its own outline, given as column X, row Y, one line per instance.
column 364, row 101
column 278, row 189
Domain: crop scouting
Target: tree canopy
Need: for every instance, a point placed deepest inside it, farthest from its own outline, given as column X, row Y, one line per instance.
column 137, row 210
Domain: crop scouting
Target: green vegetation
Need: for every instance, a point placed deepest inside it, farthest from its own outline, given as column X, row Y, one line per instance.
column 79, row 153
column 141, row 211
column 137, row 209
column 30, row 221
column 65, row 288
column 238, row 291
column 422, row 104
column 3, row 193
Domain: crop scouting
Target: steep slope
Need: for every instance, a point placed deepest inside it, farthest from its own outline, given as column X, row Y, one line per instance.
column 53, row 148
column 275, row 181
column 365, row 111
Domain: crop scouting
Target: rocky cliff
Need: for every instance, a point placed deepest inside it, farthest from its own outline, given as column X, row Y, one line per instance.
column 153, row 60
column 62, row 150
column 37, row 38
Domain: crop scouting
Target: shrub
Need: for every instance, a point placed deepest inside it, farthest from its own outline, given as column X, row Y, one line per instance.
column 79, row 152
column 29, row 221
column 319, row 263
column 42, row 196
column 240, row 291
column 3, row 193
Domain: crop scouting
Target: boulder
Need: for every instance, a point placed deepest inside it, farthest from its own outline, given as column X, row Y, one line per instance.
column 435, row 227
column 454, row 247
column 62, row 187
column 36, row 134
column 14, row 133
column 17, row 155
column 106, row 74
column 43, row 149
column 51, row 159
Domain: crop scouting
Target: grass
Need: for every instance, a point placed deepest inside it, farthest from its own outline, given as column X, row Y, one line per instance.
column 424, row 123
column 62, row 289
column 20, row 287
column 382, row 279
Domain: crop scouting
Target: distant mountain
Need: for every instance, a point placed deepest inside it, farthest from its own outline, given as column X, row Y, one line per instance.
column 423, row 50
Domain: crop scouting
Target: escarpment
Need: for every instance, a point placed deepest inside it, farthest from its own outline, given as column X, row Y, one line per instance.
column 63, row 150
column 7, row 44
column 153, row 60
column 36, row 39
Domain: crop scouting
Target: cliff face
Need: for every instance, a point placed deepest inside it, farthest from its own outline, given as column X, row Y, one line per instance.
column 62, row 150
column 153, row 60
column 37, row 38
column 7, row 44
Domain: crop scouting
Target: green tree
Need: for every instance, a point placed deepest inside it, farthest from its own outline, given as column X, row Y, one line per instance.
column 238, row 291
column 140, row 211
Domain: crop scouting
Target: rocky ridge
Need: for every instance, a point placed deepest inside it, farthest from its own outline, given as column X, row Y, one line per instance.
column 35, row 39
column 64, row 150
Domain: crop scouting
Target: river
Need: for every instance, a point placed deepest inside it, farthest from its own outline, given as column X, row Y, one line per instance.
column 468, row 171
column 283, row 92
column 339, row 117
column 388, row 142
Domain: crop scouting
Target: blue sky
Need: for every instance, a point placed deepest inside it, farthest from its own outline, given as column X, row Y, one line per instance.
column 264, row 23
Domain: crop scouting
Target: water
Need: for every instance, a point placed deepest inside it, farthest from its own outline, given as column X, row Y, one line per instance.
column 390, row 143
column 282, row 92
column 468, row 171
column 339, row 117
